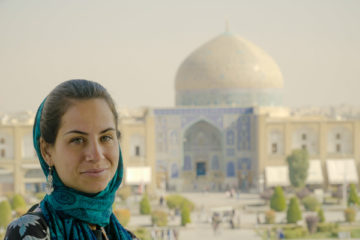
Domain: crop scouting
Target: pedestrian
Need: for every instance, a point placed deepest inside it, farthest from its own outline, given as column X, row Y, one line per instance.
column 161, row 200
column 215, row 221
column 176, row 234
column 258, row 221
column 76, row 139
column 280, row 234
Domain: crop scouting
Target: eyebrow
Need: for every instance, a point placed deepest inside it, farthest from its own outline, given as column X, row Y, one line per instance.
column 84, row 133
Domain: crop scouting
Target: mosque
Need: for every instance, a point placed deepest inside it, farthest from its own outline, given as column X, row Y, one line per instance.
column 229, row 129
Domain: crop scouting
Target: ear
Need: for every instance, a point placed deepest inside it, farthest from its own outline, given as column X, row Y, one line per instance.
column 45, row 149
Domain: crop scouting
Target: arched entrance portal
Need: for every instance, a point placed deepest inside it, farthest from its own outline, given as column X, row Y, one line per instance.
column 202, row 157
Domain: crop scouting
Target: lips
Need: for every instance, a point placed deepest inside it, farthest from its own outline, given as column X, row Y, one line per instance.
column 94, row 172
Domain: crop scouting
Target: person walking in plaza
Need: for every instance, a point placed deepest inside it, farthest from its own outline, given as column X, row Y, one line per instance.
column 215, row 222
column 280, row 234
column 76, row 139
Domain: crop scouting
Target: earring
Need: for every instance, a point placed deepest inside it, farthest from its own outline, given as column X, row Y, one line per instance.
column 49, row 182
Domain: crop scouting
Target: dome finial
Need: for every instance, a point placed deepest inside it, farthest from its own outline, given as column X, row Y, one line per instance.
column 227, row 29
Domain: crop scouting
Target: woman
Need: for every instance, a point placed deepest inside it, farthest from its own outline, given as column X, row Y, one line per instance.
column 76, row 139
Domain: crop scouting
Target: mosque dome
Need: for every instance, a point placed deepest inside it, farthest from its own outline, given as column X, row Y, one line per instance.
column 229, row 70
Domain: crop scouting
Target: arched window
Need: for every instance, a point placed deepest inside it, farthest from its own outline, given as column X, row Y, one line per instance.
column 306, row 138
column 230, row 169
column 6, row 144
column 340, row 140
column 275, row 142
column 137, row 145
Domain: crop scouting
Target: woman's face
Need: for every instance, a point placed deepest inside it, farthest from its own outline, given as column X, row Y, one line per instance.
column 86, row 149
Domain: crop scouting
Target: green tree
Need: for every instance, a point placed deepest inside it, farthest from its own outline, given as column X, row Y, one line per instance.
column 18, row 202
column 321, row 216
column 185, row 215
column 5, row 213
column 298, row 162
column 176, row 201
column 278, row 201
column 159, row 218
column 293, row 213
column 310, row 203
column 353, row 198
column 145, row 207
column 142, row 233
column 350, row 214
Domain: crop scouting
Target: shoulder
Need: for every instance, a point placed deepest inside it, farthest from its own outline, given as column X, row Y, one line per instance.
column 32, row 224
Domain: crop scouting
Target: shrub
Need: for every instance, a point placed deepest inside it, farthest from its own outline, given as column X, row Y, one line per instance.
column 18, row 202
column 145, row 207
column 311, row 203
column 294, row 232
column 5, row 213
column 293, row 213
column 353, row 198
column 142, row 233
column 124, row 192
column 278, row 201
column 123, row 215
column 185, row 215
column 159, row 218
column 311, row 223
column 350, row 214
column 321, row 215
column 327, row 227
column 177, row 201
column 270, row 217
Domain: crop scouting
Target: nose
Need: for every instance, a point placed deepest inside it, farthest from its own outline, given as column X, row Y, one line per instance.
column 94, row 151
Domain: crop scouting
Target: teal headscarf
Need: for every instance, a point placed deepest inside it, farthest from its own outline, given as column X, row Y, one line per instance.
column 68, row 212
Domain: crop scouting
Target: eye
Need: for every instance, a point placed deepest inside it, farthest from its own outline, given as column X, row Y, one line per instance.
column 77, row 140
column 106, row 138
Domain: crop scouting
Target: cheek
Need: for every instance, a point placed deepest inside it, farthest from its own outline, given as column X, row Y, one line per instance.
column 66, row 161
column 115, row 157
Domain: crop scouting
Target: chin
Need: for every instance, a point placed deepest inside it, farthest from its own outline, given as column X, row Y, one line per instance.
column 95, row 189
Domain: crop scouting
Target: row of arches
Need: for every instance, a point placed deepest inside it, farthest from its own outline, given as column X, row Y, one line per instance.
column 339, row 141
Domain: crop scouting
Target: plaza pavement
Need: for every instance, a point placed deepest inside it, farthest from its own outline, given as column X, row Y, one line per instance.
column 200, row 228
column 251, row 209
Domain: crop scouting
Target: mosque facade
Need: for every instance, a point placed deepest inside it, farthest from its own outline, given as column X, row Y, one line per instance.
column 228, row 129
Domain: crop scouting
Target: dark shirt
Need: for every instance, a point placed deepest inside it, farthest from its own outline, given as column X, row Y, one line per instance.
column 32, row 225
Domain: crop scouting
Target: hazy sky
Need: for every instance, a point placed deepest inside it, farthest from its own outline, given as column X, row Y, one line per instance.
column 134, row 48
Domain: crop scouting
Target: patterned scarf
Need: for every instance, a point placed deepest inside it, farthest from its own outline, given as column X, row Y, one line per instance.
column 68, row 212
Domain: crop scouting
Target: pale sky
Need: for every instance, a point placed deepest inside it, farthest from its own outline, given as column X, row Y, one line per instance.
column 134, row 48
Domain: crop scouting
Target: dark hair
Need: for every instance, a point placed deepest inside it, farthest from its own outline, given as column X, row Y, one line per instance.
column 62, row 97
